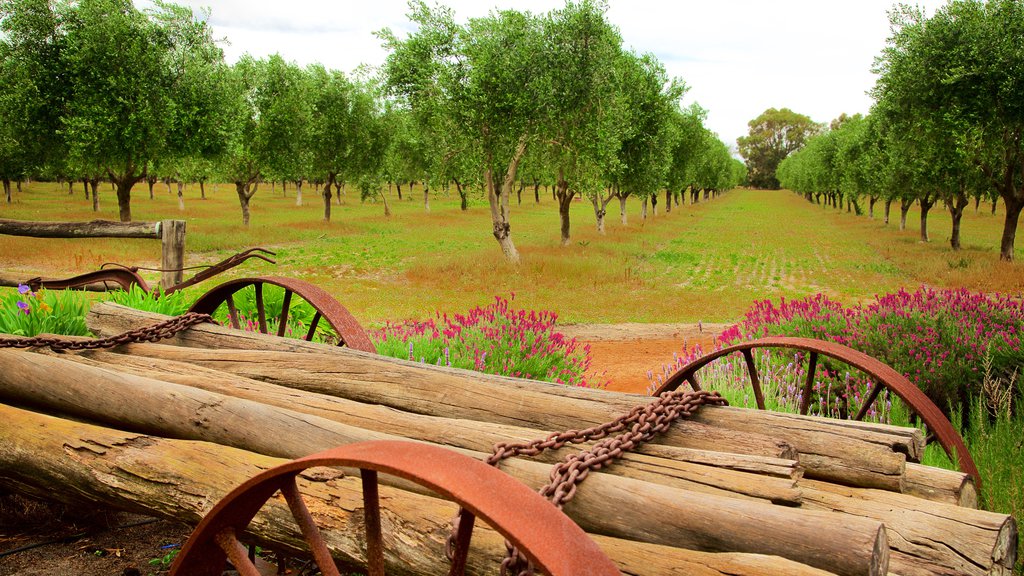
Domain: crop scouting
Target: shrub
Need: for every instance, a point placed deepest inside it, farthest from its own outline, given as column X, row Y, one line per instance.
column 27, row 313
column 938, row 339
column 173, row 304
column 496, row 339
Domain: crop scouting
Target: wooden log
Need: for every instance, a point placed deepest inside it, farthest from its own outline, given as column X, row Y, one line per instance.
column 697, row 470
column 182, row 480
column 92, row 229
column 941, row 485
column 610, row 505
column 172, row 252
column 849, row 455
column 967, row 541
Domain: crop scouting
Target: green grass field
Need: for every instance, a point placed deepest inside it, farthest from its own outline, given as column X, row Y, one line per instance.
column 705, row 262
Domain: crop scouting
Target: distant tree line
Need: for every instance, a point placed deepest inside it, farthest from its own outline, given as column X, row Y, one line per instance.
column 946, row 127
column 98, row 90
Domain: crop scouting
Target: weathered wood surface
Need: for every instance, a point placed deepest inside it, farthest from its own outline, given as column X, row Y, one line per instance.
column 183, row 480
column 941, row 485
column 91, row 229
column 849, row 454
column 698, row 470
column 611, row 505
column 172, row 252
column 967, row 541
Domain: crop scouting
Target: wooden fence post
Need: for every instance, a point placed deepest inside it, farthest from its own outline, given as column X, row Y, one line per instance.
column 172, row 253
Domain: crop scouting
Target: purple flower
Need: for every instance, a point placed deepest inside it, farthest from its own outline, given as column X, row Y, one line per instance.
column 23, row 289
column 24, row 307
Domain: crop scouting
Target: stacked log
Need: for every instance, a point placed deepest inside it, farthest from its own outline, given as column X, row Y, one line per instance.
column 169, row 428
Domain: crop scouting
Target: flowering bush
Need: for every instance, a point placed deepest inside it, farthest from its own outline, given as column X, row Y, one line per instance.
column 28, row 313
column 938, row 339
column 496, row 339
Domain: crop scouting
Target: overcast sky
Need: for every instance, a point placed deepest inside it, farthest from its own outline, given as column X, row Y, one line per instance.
column 739, row 57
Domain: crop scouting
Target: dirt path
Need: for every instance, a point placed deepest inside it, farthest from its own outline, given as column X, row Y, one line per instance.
column 623, row 353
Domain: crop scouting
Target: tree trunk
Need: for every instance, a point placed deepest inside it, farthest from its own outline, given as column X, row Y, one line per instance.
column 327, row 196
column 654, row 204
column 498, row 201
column 622, row 207
column 398, row 185
column 244, row 195
column 599, row 213
column 871, row 206
column 123, row 185
column 977, row 203
column 94, row 184
column 85, row 187
column 426, row 196
column 668, row 201
column 167, row 182
column 463, row 195
column 643, row 208
column 536, row 191
column 181, row 196
column 565, row 197
column 995, row 202
column 905, row 204
column 384, row 198
column 519, row 193
column 298, row 192
column 151, row 181
column 888, row 205
column 1013, row 209
column 926, row 202
column 7, row 189
column 202, row 188
column 956, row 207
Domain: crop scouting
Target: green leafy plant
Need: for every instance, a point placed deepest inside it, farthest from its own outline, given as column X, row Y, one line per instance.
column 300, row 313
column 496, row 339
column 27, row 313
column 173, row 304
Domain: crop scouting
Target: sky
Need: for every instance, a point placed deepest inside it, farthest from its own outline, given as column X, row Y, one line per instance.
column 738, row 57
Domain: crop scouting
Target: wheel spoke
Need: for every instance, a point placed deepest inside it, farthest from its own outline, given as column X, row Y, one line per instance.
column 869, row 400
column 285, row 304
column 694, row 383
column 371, row 514
column 261, row 310
column 237, row 553
column 309, row 530
column 233, row 312
column 312, row 326
column 805, row 401
column 462, row 538
column 755, row 380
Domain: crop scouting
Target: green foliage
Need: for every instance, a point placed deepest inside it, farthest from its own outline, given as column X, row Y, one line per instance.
column 27, row 313
column 300, row 313
column 173, row 304
column 496, row 339
column 774, row 135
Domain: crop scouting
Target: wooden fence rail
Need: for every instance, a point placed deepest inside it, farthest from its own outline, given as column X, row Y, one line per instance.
column 170, row 232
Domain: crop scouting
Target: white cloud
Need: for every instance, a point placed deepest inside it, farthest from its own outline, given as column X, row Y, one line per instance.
column 739, row 57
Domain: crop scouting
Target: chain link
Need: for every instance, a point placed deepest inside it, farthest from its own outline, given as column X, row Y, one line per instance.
column 152, row 333
column 639, row 425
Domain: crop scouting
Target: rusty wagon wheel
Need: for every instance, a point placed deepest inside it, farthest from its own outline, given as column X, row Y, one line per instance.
column 545, row 535
column 884, row 376
column 348, row 330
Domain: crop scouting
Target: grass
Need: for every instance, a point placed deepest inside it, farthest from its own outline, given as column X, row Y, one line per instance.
column 705, row 262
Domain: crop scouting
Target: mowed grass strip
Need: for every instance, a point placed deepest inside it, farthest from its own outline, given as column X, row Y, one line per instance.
column 706, row 262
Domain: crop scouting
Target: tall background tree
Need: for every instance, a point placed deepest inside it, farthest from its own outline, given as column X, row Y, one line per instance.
column 774, row 135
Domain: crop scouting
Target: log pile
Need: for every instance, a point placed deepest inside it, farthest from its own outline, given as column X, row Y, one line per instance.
column 167, row 429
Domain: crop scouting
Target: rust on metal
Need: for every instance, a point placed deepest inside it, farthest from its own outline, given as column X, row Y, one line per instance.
column 546, row 536
column 881, row 373
column 223, row 266
column 350, row 332
column 125, row 278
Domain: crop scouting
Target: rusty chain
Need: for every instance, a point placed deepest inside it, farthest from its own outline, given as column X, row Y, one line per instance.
column 644, row 422
column 152, row 333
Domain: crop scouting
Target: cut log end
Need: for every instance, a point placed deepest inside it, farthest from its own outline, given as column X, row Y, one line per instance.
column 1005, row 552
